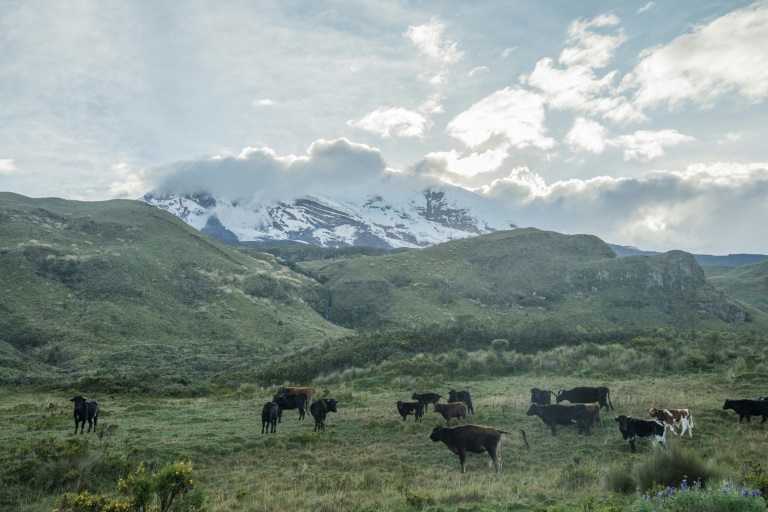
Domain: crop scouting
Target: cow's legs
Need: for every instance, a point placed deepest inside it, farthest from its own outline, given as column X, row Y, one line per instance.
column 632, row 445
column 463, row 459
column 493, row 454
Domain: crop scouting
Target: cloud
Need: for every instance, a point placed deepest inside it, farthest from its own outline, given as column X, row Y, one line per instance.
column 587, row 135
column 508, row 117
column 590, row 48
column 7, row 166
column 646, row 7
column 507, row 51
column 328, row 166
column 701, row 208
column 263, row 103
column 428, row 38
column 129, row 184
column 479, row 69
column 467, row 165
column 726, row 56
column 390, row 121
column 649, row 144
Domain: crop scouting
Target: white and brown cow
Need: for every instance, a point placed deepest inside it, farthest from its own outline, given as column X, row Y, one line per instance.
column 672, row 417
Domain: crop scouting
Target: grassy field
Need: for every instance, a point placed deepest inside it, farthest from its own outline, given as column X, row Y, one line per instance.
column 368, row 458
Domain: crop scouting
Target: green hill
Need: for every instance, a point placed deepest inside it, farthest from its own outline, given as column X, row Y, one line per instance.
column 748, row 284
column 528, row 277
column 92, row 286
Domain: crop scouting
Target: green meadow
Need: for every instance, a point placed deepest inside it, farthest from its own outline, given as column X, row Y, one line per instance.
column 368, row 458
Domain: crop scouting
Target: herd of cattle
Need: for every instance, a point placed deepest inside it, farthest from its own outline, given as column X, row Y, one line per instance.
column 582, row 411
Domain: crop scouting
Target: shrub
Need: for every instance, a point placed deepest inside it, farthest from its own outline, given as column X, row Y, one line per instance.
column 499, row 345
column 724, row 498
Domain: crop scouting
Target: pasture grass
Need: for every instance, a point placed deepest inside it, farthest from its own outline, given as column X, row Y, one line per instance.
column 368, row 458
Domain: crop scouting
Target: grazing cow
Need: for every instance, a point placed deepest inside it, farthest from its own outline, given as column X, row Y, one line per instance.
column 85, row 410
column 541, row 396
column 747, row 408
column 290, row 401
column 470, row 438
column 269, row 415
column 426, row 399
column 319, row 409
column 452, row 410
column 554, row 414
column 672, row 417
column 308, row 392
column 586, row 395
column 633, row 428
column 461, row 396
column 406, row 408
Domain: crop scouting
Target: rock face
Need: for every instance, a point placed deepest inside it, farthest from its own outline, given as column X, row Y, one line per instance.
column 422, row 219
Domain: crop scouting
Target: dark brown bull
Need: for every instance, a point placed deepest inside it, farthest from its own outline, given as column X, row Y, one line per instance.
column 470, row 438
column 306, row 391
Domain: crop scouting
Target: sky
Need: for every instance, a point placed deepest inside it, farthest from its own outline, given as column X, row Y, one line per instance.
column 641, row 122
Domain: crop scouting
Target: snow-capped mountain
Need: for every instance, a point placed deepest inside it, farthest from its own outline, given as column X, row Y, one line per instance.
column 427, row 217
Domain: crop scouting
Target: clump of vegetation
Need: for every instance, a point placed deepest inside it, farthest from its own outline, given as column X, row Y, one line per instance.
column 695, row 498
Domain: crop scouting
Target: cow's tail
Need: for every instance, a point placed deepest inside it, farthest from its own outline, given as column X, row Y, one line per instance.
column 525, row 439
column 608, row 396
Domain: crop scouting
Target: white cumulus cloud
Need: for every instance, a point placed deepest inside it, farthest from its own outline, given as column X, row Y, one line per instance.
column 428, row 38
column 649, row 144
column 394, row 121
column 586, row 135
column 7, row 166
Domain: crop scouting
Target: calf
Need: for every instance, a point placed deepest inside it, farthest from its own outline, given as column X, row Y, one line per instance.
column 290, row 401
column 319, row 409
column 85, row 410
column 269, row 415
column 672, row 417
column 633, row 428
column 452, row 410
column 541, row 396
column 406, row 408
column 470, row 438
column 747, row 408
column 585, row 395
column 461, row 396
column 426, row 398
column 555, row 414
column 309, row 393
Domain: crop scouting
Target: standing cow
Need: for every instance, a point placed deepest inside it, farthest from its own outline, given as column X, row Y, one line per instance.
column 633, row 428
column 319, row 409
column 748, row 408
column 555, row 414
column 541, row 396
column 290, row 401
column 470, row 438
column 426, row 398
column 308, row 392
column 586, row 395
column 674, row 417
column 269, row 414
column 405, row 408
column 461, row 396
column 452, row 410
column 85, row 410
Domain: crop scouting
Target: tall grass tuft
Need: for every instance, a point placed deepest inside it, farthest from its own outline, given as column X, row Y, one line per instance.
column 670, row 466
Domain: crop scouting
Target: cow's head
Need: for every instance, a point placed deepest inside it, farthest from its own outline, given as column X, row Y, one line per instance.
column 437, row 434
column 79, row 401
column 440, row 407
column 728, row 404
column 331, row 403
column 453, row 396
column 560, row 396
column 534, row 410
column 415, row 396
column 623, row 424
column 653, row 412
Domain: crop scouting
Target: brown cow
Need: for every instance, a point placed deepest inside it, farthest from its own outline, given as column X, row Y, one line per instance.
column 672, row 417
column 308, row 392
column 593, row 414
column 470, row 438
column 452, row 410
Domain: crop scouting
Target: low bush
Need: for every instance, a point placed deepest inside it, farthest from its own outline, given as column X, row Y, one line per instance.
column 695, row 498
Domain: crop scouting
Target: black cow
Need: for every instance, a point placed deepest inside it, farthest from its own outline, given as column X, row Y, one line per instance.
column 555, row 414
column 426, row 398
column 461, row 396
column 586, row 395
column 85, row 410
column 632, row 428
column 269, row 415
column 319, row 409
column 290, row 401
column 470, row 438
column 748, row 408
column 406, row 408
column 541, row 396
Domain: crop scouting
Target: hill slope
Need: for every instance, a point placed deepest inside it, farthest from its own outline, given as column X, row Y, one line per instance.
column 748, row 284
column 527, row 277
column 94, row 286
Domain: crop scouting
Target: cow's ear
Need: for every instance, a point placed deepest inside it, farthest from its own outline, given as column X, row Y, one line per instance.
column 71, row 399
column 616, row 418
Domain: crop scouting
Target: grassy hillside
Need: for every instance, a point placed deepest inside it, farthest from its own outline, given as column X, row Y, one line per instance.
column 748, row 284
column 528, row 277
column 119, row 284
